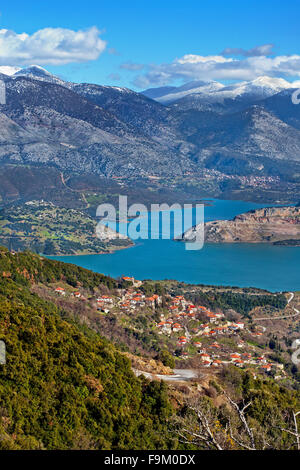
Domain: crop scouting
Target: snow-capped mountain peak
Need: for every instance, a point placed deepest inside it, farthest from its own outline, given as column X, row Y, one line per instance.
column 215, row 95
column 272, row 82
column 261, row 87
column 34, row 70
column 9, row 70
column 188, row 89
column 38, row 73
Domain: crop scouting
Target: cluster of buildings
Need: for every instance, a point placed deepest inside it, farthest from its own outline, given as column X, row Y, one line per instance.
column 261, row 181
column 214, row 356
column 191, row 326
column 205, row 325
column 127, row 300
column 131, row 300
column 77, row 295
column 181, row 311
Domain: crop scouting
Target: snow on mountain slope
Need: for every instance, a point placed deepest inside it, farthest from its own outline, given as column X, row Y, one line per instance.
column 47, row 123
column 9, row 70
column 261, row 86
column 38, row 73
column 234, row 97
column 204, row 95
column 242, row 128
column 155, row 93
column 187, row 89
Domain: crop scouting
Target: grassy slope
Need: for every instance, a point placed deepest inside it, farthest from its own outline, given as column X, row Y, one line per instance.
column 45, row 228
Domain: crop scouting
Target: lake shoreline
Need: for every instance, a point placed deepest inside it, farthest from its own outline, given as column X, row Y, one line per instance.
column 245, row 265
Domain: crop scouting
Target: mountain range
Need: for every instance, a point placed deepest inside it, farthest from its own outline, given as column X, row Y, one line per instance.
column 214, row 95
column 248, row 128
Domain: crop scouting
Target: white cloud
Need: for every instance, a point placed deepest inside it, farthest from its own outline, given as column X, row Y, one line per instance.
column 199, row 59
column 264, row 50
column 53, row 46
column 196, row 67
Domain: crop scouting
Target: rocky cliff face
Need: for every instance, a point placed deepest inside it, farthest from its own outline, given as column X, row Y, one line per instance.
column 260, row 226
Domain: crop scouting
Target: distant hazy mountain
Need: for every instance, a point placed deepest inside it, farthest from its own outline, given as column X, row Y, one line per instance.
column 218, row 97
column 168, row 95
column 156, row 93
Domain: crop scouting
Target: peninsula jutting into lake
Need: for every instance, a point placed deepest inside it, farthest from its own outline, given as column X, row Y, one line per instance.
column 267, row 225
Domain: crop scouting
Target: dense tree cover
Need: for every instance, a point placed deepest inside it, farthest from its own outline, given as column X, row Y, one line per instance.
column 166, row 358
column 242, row 303
column 151, row 287
column 250, row 414
column 25, row 267
column 65, row 388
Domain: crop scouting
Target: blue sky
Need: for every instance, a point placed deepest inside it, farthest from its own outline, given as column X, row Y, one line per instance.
column 163, row 41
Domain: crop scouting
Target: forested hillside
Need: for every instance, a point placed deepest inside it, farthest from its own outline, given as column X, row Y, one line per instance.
column 64, row 387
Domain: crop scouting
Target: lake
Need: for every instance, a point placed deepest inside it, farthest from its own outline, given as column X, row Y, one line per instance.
column 275, row 268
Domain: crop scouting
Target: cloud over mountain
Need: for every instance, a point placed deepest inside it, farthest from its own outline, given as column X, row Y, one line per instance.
column 255, row 63
column 55, row 46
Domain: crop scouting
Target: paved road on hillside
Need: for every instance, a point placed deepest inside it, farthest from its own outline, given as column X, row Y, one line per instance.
column 283, row 317
column 180, row 375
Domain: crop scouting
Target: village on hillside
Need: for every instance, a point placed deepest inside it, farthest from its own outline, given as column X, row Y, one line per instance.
column 189, row 330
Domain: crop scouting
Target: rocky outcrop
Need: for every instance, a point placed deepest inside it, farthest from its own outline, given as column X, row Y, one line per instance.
column 269, row 225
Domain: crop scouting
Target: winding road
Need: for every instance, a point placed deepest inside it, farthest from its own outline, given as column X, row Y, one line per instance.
column 74, row 190
column 283, row 317
column 180, row 375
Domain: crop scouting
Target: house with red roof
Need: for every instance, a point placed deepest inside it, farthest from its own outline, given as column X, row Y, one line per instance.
column 177, row 327
column 60, row 291
column 266, row 367
column 217, row 363
column 206, row 363
column 204, row 357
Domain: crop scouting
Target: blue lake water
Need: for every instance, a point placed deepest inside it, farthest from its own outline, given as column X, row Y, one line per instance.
column 275, row 268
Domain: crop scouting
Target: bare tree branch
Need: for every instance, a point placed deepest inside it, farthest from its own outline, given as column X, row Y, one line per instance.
column 242, row 417
column 294, row 433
